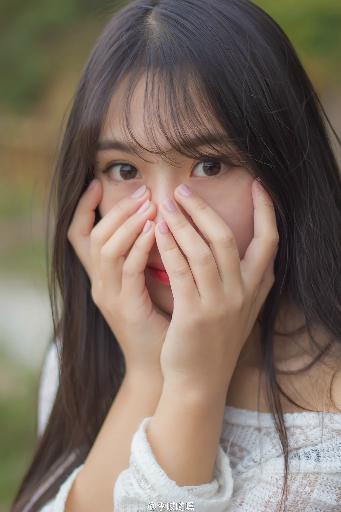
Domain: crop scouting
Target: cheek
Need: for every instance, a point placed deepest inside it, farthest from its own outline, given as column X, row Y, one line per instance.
column 112, row 194
column 240, row 220
column 235, row 205
column 111, row 197
column 233, row 202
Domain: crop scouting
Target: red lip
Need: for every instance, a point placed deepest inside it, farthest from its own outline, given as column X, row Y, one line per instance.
column 157, row 267
column 160, row 275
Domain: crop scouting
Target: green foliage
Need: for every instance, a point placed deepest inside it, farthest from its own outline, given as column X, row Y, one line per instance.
column 22, row 224
column 30, row 32
column 312, row 25
column 25, row 259
column 18, row 413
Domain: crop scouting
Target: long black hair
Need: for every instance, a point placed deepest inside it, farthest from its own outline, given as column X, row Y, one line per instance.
column 225, row 61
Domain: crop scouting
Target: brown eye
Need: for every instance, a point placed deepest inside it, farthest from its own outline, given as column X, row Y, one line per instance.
column 119, row 170
column 212, row 167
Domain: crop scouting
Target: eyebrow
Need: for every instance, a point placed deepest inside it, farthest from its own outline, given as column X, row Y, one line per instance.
column 195, row 142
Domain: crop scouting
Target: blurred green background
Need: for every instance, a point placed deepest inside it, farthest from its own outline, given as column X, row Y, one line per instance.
column 43, row 47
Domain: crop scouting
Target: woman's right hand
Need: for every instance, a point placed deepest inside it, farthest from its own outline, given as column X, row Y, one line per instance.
column 114, row 254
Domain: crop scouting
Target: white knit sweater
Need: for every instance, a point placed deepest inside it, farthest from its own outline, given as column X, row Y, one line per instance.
column 248, row 470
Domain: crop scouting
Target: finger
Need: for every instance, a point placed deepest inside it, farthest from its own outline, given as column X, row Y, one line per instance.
column 264, row 289
column 112, row 220
column 218, row 234
column 83, row 220
column 133, row 278
column 181, row 279
column 113, row 253
column 196, row 250
column 109, row 224
column 264, row 245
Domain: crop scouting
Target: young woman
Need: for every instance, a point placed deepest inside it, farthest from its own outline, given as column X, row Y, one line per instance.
column 211, row 383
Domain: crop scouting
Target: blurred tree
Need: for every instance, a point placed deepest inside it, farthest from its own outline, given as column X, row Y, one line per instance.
column 314, row 27
column 31, row 31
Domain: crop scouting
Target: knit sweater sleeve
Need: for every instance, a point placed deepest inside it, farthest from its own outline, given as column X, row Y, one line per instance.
column 242, row 482
column 313, row 485
column 144, row 484
column 314, row 481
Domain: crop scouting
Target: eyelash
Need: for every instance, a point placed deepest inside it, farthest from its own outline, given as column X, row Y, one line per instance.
column 216, row 159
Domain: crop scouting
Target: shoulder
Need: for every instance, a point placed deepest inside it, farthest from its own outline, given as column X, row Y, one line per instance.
column 312, row 376
column 336, row 391
column 317, row 389
column 49, row 381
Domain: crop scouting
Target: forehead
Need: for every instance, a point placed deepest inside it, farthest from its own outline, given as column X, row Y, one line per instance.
column 112, row 127
column 144, row 119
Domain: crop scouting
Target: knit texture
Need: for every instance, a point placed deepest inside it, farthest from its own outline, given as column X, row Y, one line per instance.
column 249, row 467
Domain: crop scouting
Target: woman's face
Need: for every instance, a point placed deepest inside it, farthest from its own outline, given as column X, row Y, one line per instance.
column 226, row 190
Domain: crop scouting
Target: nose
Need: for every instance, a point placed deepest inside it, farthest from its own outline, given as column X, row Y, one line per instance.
column 161, row 192
column 159, row 215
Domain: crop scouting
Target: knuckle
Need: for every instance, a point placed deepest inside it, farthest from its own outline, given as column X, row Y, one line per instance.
column 201, row 205
column 170, row 250
column 182, row 224
column 225, row 239
column 105, row 252
column 204, row 257
column 94, row 236
column 237, row 301
column 180, row 272
column 128, row 271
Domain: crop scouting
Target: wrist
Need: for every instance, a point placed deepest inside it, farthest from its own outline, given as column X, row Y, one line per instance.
column 146, row 379
column 199, row 393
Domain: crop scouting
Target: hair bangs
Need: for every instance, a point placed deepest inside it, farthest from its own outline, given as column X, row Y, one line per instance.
column 177, row 115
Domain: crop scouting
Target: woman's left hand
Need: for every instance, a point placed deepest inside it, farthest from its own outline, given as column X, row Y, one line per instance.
column 217, row 296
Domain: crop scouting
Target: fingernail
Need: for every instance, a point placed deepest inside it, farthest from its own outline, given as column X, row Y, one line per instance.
column 144, row 206
column 139, row 192
column 163, row 228
column 147, row 226
column 184, row 190
column 169, row 205
column 258, row 185
column 92, row 184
